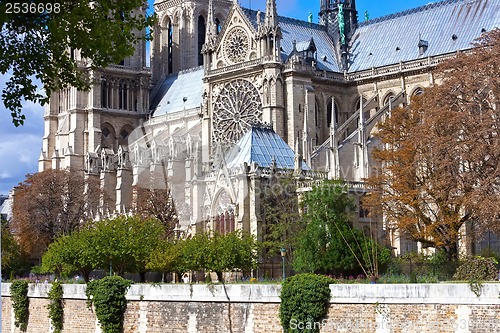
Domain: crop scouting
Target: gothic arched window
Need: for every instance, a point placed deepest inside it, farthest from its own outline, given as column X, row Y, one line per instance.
column 170, row 48
column 388, row 98
column 218, row 25
column 104, row 94
column 123, row 96
column 201, row 38
column 225, row 219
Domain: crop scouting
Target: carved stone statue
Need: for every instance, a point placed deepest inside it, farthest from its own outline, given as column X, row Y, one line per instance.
column 340, row 18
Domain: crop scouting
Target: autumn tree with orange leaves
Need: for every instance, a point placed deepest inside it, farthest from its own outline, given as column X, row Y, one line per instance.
column 439, row 157
column 51, row 203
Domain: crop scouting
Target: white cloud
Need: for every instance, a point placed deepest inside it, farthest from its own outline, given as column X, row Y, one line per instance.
column 19, row 146
column 4, row 175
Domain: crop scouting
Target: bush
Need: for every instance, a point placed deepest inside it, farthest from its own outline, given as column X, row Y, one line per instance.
column 20, row 303
column 108, row 297
column 414, row 264
column 476, row 269
column 55, row 306
column 304, row 302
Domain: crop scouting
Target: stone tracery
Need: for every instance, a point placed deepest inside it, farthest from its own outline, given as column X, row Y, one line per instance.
column 236, row 46
column 236, row 108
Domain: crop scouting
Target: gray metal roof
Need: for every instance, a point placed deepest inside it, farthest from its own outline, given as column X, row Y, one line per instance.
column 447, row 26
column 261, row 145
column 302, row 31
column 184, row 85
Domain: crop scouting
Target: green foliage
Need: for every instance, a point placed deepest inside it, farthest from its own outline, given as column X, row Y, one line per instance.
column 489, row 253
column 235, row 250
column 20, row 303
column 10, row 248
column 108, row 297
column 329, row 243
column 304, row 302
column 75, row 252
column 55, row 306
column 194, row 253
column 219, row 253
column 166, row 257
column 280, row 214
column 434, row 267
column 126, row 242
column 38, row 44
column 14, row 259
column 56, row 258
column 476, row 269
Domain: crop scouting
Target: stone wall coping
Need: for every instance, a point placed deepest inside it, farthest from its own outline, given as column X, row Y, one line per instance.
column 418, row 293
column 434, row 293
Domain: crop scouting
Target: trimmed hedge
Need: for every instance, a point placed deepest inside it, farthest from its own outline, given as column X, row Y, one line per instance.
column 304, row 302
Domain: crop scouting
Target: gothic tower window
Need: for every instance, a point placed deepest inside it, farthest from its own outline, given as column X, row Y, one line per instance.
column 218, row 25
column 170, row 48
column 123, row 96
column 104, row 94
column 201, row 38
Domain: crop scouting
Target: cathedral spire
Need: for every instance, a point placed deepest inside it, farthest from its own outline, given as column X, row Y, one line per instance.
column 271, row 14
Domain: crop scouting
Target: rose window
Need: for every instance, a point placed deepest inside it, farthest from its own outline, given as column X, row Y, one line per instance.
column 236, row 46
column 236, row 109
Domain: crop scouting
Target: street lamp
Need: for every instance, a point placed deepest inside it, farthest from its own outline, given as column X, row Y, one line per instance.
column 283, row 254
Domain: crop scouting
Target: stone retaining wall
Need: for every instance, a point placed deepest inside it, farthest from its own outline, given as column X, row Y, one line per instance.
column 253, row 308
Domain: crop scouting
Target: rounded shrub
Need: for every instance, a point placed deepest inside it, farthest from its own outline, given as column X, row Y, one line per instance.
column 476, row 269
column 304, row 302
column 108, row 297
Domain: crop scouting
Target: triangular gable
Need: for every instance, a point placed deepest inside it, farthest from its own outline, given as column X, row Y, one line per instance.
column 235, row 18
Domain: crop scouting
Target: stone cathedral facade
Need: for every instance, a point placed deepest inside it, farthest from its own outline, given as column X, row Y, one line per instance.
column 233, row 95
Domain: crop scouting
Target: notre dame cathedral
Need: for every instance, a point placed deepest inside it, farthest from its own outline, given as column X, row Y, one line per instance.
column 233, row 95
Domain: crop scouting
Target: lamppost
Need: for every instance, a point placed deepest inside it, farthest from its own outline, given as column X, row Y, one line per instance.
column 283, row 255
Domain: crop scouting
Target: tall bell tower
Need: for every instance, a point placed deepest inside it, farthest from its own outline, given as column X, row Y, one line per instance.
column 82, row 125
column 179, row 34
column 341, row 19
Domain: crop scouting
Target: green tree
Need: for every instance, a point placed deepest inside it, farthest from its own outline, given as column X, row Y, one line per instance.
column 55, row 259
column 232, row 251
column 194, row 253
column 126, row 243
column 10, row 249
column 280, row 216
column 40, row 42
column 166, row 257
column 14, row 259
column 329, row 243
column 74, row 252
column 219, row 253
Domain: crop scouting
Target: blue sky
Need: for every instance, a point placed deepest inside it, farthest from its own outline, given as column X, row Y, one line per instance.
column 20, row 147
